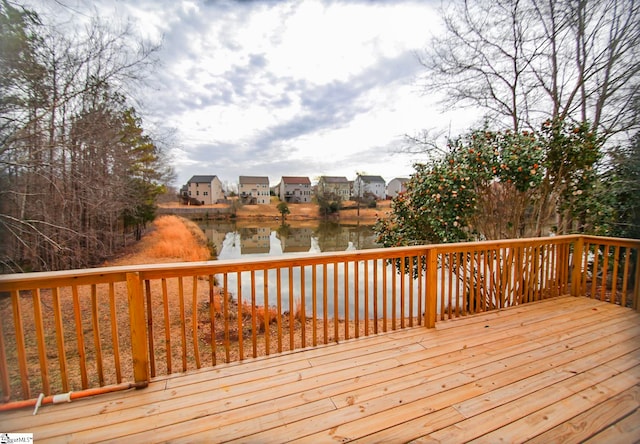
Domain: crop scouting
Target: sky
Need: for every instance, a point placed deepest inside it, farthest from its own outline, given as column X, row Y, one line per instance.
column 286, row 88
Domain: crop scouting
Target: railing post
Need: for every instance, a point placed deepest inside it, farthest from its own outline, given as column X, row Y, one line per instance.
column 431, row 288
column 139, row 346
column 576, row 272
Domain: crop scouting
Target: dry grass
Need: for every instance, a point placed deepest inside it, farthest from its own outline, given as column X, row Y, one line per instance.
column 171, row 239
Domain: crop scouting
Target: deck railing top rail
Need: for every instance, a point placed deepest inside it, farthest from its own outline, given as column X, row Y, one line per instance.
column 9, row 282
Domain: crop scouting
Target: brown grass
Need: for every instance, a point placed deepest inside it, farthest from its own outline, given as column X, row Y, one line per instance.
column 171, row 239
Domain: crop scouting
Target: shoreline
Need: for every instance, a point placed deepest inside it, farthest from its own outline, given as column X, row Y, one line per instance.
column 298, row 212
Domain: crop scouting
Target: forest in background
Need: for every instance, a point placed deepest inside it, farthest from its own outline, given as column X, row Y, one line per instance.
column 79, row 175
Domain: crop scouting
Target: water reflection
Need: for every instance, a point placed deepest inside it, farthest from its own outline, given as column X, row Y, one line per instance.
column 234, row 241
column 244, row 241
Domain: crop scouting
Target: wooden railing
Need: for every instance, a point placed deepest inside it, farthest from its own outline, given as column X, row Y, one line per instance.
column 76, row 330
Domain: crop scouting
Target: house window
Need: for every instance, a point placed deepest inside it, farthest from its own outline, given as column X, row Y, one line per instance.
column 206, row 193
column 197, row 193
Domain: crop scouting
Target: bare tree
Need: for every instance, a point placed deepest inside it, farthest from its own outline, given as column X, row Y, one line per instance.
column 526, row 61
column 74, row 162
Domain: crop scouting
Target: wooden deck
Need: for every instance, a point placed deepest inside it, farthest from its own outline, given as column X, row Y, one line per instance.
column 561, row 370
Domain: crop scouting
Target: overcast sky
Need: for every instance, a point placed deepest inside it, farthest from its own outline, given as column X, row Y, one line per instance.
column 273, row 88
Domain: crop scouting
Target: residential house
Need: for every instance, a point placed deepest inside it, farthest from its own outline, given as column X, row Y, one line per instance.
column 338, row 185
column 294, row 189
column 370, row 186
column 254, row 190
column 205, row 189
column 396, row 186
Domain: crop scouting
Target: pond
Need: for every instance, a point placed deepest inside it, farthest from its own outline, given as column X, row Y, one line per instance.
column 263, row 238
column 251, row 239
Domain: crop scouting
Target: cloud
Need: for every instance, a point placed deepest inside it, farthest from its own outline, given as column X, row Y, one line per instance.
column 284, row 87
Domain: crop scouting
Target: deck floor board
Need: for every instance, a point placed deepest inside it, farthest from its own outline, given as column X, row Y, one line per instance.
column 561, row 370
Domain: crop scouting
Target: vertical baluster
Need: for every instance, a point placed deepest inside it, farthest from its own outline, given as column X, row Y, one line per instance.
column 62, row 355
column 366, row 297
column 487, row 299
column 356, row 298
column 636, row 288
column 279, row 306
column 403, row 275
column 472, row 287
column 335, row 303
column 384, row 295
column 40, row 341
column 212, row 317
column 459, row 282
column 346, row 299
column 267, row 312
column 303, row 308
column 167, row 324
column 20, row 345
column 314, row 309
column 115, row 335
column 96, row 334
column 412, row 262
column 183, row 331
column 194, row 321
column 254, row 325
column 5, row 385
column 536, row 276
column 585, row 270
column 82, row 356
column 453, row 304
column 150, row 333
column 557, row 278
column 505, row 271
column 625, row 276
column 614, row 274
column 443, row 287
column 419, row 265
column 594, row 273
column 325, row 304
column 547, row 270
column 225, row 305
column 292, row 319
column 393, row 294
column 240, row 315
column 605, row 269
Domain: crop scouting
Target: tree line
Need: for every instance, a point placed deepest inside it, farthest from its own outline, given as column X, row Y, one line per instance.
column 558, row 86
column 78, row 173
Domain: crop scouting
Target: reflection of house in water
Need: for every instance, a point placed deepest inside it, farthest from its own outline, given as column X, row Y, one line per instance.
column 216, row 233
column 334, row 237
column 296, row 240
column 331, row 237
column 255, row 240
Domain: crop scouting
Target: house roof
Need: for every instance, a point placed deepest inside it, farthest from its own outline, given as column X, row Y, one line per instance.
column 370, row 179
column 296, row 180
column 334, row 179
column 254, row 179
column 201, row 179
column 400, row 179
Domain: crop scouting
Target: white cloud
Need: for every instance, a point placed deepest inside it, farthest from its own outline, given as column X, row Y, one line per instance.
column 287, row 88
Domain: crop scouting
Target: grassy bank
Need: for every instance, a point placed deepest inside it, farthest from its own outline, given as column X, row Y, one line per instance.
column 298, row 212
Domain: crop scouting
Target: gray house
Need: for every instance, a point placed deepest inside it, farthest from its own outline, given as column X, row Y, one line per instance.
column 206, row 189
column 374, row 186
column 294, row 189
